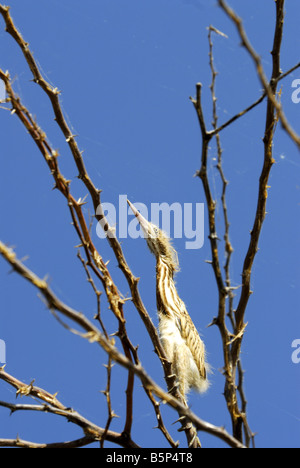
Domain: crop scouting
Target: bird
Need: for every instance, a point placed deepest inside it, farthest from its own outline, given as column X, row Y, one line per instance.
column 180, row 339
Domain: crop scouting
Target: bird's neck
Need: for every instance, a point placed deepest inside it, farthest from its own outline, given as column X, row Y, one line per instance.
column 168, row 301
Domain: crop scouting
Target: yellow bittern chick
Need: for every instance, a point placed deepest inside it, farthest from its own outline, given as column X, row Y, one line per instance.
column 180, row 339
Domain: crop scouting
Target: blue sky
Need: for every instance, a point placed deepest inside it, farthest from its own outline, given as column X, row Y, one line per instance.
column 126, row 71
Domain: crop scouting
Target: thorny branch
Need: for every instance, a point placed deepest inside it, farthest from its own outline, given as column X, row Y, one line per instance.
column 95, row 261
column 232, row 342
column 228, row 246
column 93, row 433
column 221, row 319
column 109, row 365
column 20, row 443
column 95, row 336
column 268, row 86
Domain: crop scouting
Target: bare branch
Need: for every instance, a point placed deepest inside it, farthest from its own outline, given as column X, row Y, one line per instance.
column 20, row 443
column 232, row 343
column 53, row 95
column 271, row 122
column 96, row 268
column 237, row 116
column 53, row 405
column 268, row 87
column 95, row 261
column 94, row 335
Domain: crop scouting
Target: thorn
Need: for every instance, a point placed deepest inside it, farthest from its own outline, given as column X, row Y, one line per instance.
column 179, row 420
column 171, row 376
column 175, row 387
column 70, row 138
column 184, row 428
column 217, row 31
column 24, row 259
column 106, row 367
column 81, row 201
column 114, row 334
column 126, row 299
column 46, row 277
column 213, row 322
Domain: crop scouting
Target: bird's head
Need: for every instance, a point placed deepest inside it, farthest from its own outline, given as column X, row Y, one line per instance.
column 158, row 242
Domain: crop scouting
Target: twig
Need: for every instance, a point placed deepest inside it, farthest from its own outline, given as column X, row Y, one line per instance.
column 106, row 392
column 20, row 443
column 96, row 291
column 230, row 388
column 232, row 344
column 221, row 319
column 216, row 131
column 62, row 184
column 271, row 121
column 53, row 95
column 274, row 112
column 52, row 405
column 268, row 87
column 76, row 418
column 160, row 423
column 94, row 335
column 252, row 106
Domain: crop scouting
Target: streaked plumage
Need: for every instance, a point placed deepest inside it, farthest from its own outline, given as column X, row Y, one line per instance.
column 179, row 336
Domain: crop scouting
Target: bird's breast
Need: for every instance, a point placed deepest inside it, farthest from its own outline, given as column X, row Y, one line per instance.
column 168, row 329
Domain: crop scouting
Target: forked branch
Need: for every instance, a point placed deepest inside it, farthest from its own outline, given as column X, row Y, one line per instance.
column 232, row 341
column 93, row 334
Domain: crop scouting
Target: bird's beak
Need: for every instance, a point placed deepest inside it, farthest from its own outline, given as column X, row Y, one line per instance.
column 145, row 225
